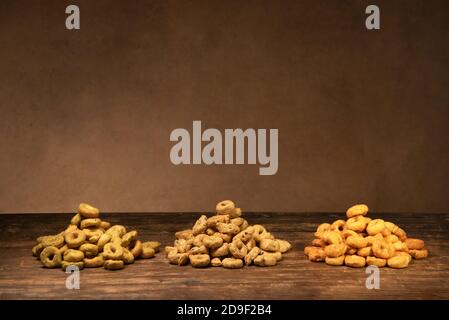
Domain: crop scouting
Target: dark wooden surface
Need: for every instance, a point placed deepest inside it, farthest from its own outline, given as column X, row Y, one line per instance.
column 22, row 277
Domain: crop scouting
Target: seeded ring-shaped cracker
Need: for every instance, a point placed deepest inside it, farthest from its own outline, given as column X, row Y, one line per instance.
column 250, row 244
column 105, row 225
column 184, row 246
column 197, row 240
column 93, row 234
column 356, row 223
column 72, row 255
column 338, row 225
column 147, row 251
column 419, row 254
column 199, row 250
column 232, row 263
column 265, row 260
column 358, row 209
column 400, row 246
column 136, row 248
column 356, row 242
column 277, row 255
column 76, row 219
column 95, row 262
column 128, row 257
column 112, row 251
column 337, row 261
column 315, row 254
column 237, row 212
column 128, row 238
column 400, row 233
column 269, row 245
column 184, row 234
column 335, row 250
column 226, row 237
column 63, row 249
column 321, row 229
column 351, row 251
column 332, row 237
column 90, row 250
column 374, row 261
column 390, row 226
column 212, row 242
column 221, row 251
column 414, row 244
column 245, row 235
column 90, row 223
column 215, row 262
column 37, row 249
column 405, row 254
column 75, row 238
column 383, row 249
column 53, row 241
column 365, row 252
column 284, row 245
column 239, row 221
column 87, row 211
column 117, row 229
column 51, row 257
column 318, row 243
column 199, row 260
column 355, row 261
column 179, row 259
column 398, row 262
column 392, row 238
column 225, row 207
column 212, row 221
column 104, row 238
column 200, row 225
column 375, row 226
column 238, row 249
column 252, row 254
column 113, row 264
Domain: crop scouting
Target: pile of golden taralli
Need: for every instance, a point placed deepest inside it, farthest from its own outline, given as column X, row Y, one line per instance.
column 226, row 240
column 361, row 241
column 89, row 242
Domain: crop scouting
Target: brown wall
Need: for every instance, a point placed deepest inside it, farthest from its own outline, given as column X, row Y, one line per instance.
column 86, row 115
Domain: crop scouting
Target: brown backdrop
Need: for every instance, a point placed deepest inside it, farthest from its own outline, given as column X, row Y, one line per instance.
column 86, row 115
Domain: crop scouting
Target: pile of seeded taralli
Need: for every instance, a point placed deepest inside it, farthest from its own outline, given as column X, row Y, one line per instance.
column 226, row 240
column 91, row 242
column 360, row 241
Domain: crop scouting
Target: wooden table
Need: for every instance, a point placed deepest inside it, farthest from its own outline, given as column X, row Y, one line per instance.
column 22, row 277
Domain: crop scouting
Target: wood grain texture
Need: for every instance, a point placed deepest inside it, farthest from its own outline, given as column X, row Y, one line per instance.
column 22, row 277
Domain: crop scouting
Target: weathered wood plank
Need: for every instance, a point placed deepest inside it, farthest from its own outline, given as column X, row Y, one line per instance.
column 22, row 277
